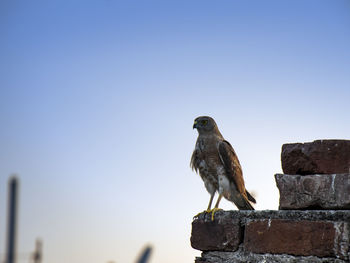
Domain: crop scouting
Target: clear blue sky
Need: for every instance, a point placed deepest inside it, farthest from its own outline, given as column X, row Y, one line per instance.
column 98, row 98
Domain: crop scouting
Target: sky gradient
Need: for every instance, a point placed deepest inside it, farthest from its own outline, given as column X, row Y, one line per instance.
column 98, row 98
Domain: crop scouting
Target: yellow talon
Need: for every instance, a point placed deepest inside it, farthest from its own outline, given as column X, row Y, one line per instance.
column 200, row 213
column 205, row 211
column 213, row 212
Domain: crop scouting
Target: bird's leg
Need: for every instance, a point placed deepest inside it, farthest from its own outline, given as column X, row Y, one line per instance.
column 218, row 201
column 210, row 201
column 208, row 209
column 216, row 208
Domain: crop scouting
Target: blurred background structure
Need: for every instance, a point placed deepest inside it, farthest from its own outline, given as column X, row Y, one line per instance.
column 37, row 256
column 98, row 98
column 12, row 220
column 11, row 255
column 145, row 255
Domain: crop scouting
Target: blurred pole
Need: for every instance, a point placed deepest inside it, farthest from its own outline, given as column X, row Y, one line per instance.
column 38, row 254
column 12, row 220
column 144, row 257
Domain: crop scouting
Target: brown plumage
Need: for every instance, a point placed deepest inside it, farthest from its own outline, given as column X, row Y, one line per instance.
column 217, row 164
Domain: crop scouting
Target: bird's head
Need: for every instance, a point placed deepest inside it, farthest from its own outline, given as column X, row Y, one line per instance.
column 205, row 124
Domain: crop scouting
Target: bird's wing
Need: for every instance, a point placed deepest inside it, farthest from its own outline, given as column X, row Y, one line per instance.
column 194, row 161
column 232, row 166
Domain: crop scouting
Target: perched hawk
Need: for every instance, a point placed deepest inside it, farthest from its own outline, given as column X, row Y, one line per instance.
column 218, row 165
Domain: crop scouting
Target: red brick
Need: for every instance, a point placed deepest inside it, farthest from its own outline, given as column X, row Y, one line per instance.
column 299, row 238
column 318, row 157
column 224, row 234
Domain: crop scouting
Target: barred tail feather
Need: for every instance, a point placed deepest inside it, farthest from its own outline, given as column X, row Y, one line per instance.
column 250, row 197
column 247, row 206
column 242, row 203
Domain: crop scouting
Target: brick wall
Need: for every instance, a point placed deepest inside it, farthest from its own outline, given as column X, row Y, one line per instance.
column 322, row 236
column 296, row 232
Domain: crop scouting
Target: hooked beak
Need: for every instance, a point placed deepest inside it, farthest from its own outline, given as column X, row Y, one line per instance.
column 195, row 124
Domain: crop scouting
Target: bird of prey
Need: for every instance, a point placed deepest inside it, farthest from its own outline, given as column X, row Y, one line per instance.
column 217, row 164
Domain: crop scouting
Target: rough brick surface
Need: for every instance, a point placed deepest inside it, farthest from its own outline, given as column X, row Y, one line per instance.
column 318, row 157
column 244, row 257
column 223, row 234
column 300, row 238
column 325, row 191
column 245, row 216
column 318, row 224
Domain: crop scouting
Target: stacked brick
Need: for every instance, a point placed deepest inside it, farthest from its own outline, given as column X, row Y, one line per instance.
column 316, row 175
column 312, row 225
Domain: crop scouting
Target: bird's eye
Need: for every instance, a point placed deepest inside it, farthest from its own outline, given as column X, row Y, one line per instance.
column 204, row 122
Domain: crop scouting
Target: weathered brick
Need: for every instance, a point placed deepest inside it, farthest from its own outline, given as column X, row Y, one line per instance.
column 299, row 238
column 321, row 191
column 222, row 234
column 318, row 157
column 201, row 260
column 242, row 257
